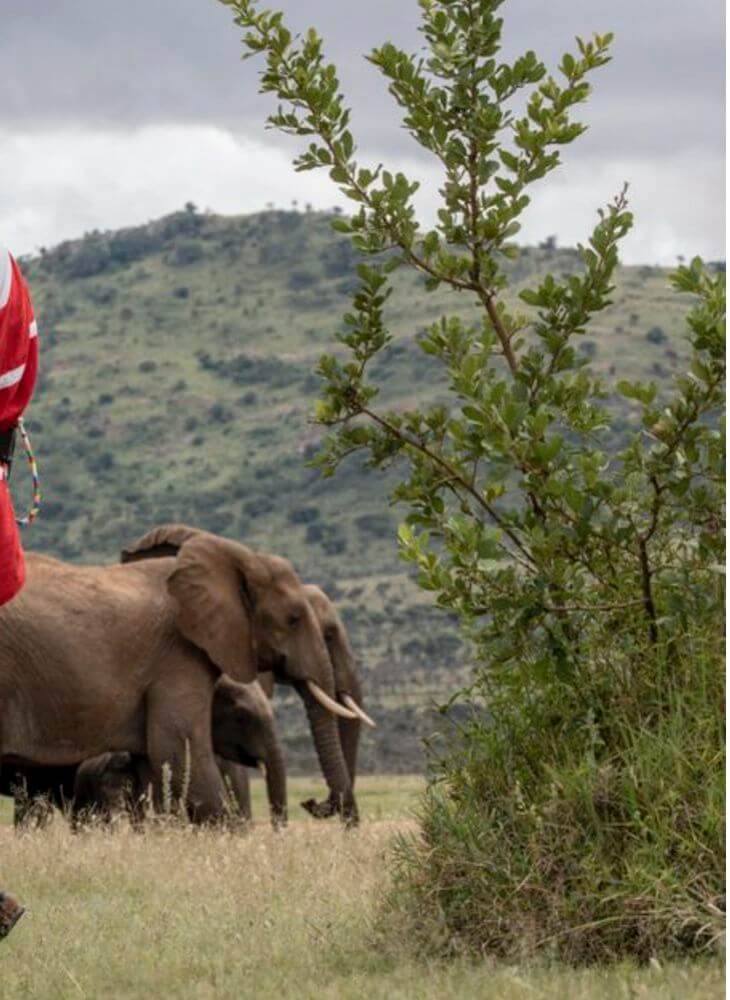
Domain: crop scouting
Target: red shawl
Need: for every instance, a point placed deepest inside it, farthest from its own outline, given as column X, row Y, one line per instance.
column 18, row 369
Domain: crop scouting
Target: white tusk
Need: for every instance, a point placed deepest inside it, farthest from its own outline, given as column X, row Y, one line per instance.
column 329, row 703
column 352, row 704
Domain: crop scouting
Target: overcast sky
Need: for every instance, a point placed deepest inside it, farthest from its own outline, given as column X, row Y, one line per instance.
column 117, row 112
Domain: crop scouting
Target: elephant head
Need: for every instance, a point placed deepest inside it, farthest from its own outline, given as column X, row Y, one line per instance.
column 249, row 611
column 347, row 688
column 244, row 732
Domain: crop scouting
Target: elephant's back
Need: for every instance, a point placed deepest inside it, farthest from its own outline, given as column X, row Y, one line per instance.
column 99, row 606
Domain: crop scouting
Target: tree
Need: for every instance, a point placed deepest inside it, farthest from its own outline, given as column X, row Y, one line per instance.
column 580, row 575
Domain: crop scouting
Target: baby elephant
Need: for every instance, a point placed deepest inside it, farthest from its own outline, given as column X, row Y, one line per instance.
column 119, row 783
column 243, row 733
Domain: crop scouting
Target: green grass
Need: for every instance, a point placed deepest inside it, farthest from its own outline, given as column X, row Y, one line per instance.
column 198, row 914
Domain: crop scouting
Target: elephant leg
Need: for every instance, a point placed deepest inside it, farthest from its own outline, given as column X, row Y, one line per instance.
column 236, row 780
column 180, row 751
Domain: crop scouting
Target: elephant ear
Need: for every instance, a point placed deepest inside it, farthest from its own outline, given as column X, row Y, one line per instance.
column 166, row 540
column 214, row 583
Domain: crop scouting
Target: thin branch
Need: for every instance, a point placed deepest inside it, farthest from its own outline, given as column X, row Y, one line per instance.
column 594, row 607
column 648, row 602
column 432, row 456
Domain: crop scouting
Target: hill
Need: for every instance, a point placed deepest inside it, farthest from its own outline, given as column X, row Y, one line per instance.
column 177, row 382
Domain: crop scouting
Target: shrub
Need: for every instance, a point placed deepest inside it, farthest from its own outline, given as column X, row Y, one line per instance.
column 656, row 335
column 303, row 515
column 301, row 278
column 578, row 808
column 185, row 252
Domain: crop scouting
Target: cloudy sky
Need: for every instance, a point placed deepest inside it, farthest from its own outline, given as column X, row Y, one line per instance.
column 117, row 112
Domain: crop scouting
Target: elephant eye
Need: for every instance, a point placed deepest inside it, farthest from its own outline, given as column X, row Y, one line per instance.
column 329, row 634
column 293, row 620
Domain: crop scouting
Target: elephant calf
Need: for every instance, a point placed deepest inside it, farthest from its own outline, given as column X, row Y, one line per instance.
column 243, row 735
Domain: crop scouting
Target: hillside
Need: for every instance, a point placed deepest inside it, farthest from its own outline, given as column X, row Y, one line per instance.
column 176, row 384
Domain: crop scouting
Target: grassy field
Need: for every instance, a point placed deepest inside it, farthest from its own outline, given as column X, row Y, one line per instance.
column 180, row 913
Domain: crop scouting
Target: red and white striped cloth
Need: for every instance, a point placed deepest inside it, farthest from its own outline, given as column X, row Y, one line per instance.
column 18, row 370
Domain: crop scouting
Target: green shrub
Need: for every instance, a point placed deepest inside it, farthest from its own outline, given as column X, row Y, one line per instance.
column 185, row 252
column 578, row 808
column 656, row 335
column 584, row 837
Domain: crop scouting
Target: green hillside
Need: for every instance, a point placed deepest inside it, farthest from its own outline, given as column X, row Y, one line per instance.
column 176, row 384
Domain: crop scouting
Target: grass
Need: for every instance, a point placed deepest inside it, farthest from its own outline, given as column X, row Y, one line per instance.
column 181, row 913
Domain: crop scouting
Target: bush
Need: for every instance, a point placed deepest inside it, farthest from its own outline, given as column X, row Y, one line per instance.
column 300, row 278
column 303, row 515
column 185, row 252
column 578, row 808
column 601, row 839
column 656, row 335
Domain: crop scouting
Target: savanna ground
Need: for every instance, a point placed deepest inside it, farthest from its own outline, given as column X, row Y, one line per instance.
column 180, row 913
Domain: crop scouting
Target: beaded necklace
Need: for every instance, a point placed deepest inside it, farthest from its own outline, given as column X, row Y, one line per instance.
column 35, row 504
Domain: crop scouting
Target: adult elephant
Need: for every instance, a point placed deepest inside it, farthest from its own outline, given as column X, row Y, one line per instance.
column 348, row 690
column 244, row 735
column 279, row 625
column 126, row 657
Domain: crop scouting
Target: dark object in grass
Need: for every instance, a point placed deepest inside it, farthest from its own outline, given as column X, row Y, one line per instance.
column 10, row 913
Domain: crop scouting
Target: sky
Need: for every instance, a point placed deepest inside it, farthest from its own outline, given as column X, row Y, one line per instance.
column 116, row 113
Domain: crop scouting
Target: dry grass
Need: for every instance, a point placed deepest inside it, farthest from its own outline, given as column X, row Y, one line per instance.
column 180, row 913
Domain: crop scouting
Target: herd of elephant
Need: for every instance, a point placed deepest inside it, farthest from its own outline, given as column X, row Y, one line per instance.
column 134, row 684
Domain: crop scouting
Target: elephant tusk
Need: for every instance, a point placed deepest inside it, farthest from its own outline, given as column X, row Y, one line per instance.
column 329, row 703
column 353, row 706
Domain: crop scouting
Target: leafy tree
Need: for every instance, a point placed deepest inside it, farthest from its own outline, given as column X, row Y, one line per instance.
column 588, row 582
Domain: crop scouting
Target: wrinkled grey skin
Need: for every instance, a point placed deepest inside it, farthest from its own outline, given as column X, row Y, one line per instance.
column 243, row 733
column 347, row 682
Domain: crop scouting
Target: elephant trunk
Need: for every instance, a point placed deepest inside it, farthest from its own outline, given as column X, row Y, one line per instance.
column 276, row 783
column 326, row 738
column 350, row 736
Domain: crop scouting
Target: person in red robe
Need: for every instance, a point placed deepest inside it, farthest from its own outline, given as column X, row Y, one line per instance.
column 18, row 371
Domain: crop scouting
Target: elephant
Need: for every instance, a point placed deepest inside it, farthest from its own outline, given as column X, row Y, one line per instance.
column 348, row 690
column 243, row 733
column 319, row 697
column 317, row 689
column 126, row 657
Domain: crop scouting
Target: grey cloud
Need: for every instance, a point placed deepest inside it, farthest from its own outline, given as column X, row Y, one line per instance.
column 118, row 65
